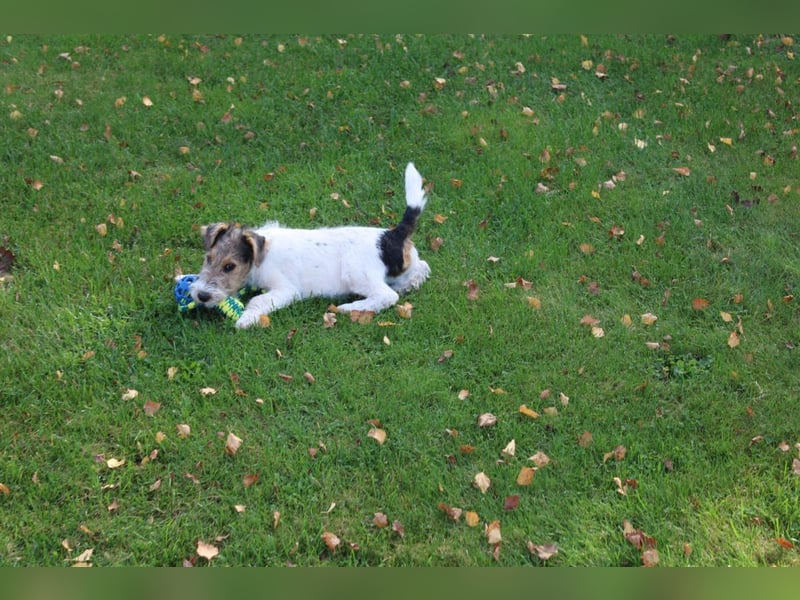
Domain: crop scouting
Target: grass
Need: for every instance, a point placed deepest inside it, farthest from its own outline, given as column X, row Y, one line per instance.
column 280, row 125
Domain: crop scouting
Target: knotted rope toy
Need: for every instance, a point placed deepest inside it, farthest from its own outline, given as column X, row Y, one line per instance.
column 231, row 307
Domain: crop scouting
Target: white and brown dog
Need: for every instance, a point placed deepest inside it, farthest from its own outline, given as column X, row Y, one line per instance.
column 292, row 264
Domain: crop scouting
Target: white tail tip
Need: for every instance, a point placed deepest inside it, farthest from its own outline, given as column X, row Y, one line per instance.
column 415, row 194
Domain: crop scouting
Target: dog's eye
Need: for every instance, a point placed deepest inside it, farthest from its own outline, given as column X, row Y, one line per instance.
column 229, row 267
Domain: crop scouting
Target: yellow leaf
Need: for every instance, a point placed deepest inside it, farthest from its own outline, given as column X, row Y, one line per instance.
column 472, row 519
column 534, row 302
column 726, row 316
column 183, row 430
column 525, row 476
column 146, row 101
column 528, row 412
column 684, row 171
column 4, row 489
column 626, row 320
column 726, row 140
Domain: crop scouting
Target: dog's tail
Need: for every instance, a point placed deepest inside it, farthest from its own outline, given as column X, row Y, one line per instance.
column 393, row 243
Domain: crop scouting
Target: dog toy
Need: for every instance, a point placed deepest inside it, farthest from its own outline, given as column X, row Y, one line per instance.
column 231, row 307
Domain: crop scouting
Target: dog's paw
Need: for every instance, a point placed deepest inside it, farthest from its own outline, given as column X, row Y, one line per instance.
column 248, row 319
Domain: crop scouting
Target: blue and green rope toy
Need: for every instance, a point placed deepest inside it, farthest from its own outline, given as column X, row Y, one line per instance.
column 231, row 307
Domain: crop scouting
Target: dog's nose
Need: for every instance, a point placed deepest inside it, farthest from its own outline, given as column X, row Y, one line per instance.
column 203, row 297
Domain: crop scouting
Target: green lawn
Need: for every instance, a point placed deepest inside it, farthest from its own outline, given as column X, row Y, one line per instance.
column 578, row 183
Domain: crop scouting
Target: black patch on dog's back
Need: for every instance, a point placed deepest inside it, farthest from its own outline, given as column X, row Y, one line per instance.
column 392, row 242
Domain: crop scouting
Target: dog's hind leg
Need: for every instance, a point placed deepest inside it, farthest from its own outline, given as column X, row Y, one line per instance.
column 375, row 300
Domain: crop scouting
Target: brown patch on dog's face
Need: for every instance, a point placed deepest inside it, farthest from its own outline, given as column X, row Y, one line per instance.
column 231, row 253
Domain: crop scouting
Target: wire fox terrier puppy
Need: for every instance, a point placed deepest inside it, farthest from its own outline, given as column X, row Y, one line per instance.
column 292, row 264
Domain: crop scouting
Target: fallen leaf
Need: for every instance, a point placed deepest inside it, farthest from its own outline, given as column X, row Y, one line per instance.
column 328, row 320
column 649, row 318
column 208, row 391
column 589, row 320
column 447, row 354
column 796, row 466
column 528, row 412
column 451, row 511
column 150, row 408
column 540, row 459
column 482, row 482
column 492, row 531
column 486, row 420
column 785, row 543
column 362, row 317
column 129, row 394
column 543, row 551
column 146, row 101
column 4, row 489
column 617, row 453
column 598, row 332
column 398, row 528
column 471, row 518
column 207, row 551
column 585, row 440
column 650, row 557
column 463, row 394
column 404, row 310
column 472, row 289
column 85, row 556
column 511, row 503
column 733, row 339
column 380, row 520
column 699, row 304
column 250, row 479
column 232, row 444
column 113, row 463
column 377, row 434
column 684, row 171
column 525, row 476
column 726, row 316
column 510, row 449
column 183, row 430
column 534, row 302
column 587, row 248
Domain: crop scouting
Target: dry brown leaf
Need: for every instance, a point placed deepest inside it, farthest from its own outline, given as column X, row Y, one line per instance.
column 482, row 482
column 183, row 430
column 4, row 489
column 362, row 317
column 649, row 318
column 207, row 551
column 208, row 391
column 585, row 440
column 486, row 420
column 329, row 320
column 492, row 531
column 543, row 551
column 472, row 289
column 525, row 476
column 250, row 479
column 540, row 459
column 699, row 304
column 398, row 528
column 684, row 171
column 377, row 434
column 380, row 520
column 331, row 540
column 510, row 449
column 451, row 511
column 130, row 394
column 511, row 502
column 150, row 408
column 733, row 339
column 589, row 320
column 598, row 332
column 232, row 443
column 617, row 453
column 650, row 557
column 404, row 310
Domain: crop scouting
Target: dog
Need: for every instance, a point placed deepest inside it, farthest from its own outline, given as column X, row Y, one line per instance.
column 292, row 264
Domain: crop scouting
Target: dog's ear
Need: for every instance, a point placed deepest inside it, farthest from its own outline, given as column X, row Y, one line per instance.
column 211, row 233
column 257, row 244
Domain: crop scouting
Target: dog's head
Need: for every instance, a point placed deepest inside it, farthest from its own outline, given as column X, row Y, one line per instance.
column 231, row 252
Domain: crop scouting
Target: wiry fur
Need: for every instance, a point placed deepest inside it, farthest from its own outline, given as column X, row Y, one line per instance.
column 291, row 264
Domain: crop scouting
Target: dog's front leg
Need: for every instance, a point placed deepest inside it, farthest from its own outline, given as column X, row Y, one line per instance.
column 263, row 304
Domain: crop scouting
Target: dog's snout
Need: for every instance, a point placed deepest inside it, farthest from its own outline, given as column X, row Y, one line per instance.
column 203, row 296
